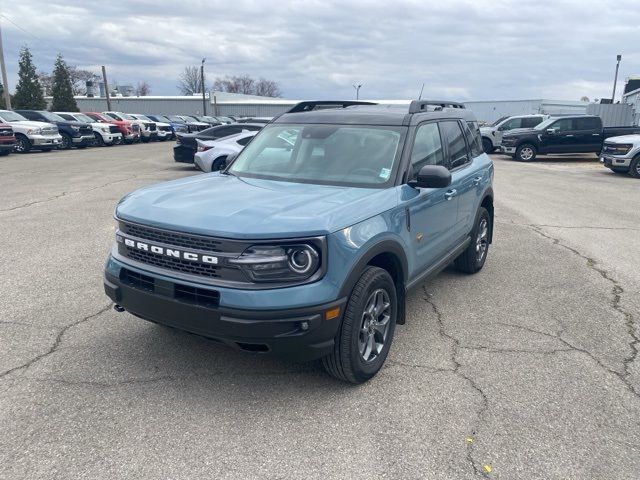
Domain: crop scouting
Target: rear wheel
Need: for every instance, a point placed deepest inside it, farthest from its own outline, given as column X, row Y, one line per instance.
column 473, row 258
column 526, row 152
column 366, row 333
column 23, row 144
column 487, row 146
column 634, row 169
column 218, row 163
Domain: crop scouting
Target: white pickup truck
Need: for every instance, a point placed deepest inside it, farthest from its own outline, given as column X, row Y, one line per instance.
column 492, row 135
column 622, row 154
column 31, row 135
column 105, row 133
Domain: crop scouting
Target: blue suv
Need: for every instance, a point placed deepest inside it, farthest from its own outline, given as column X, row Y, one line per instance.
column 306, row 243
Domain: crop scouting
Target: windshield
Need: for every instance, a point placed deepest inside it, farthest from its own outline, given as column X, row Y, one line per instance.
column 191, row 117
column 144, row 118
column 52, row 117
column 126, row 116
column 545, row 124
column 161, row 118
column 82, row 118
column 12, row 117
column 346, row 155
column 495, row 124
column 175, row 118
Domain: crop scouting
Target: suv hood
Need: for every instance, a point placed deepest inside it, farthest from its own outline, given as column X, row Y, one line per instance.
column 227, row 206
column 624, row 139
column 31, row 124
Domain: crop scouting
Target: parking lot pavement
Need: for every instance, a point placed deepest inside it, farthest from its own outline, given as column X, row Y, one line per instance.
column 525, row 370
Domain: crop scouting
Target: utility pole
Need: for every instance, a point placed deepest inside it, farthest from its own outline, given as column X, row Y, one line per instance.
column 204, row 102
column 615, row 80
column 106, row 88
column 357, row 91
column 5, row 84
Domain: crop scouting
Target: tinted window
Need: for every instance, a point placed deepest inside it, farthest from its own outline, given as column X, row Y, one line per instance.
column 427, row 148
column 588, row 123
column 454, row 139
column 511, row 124
column 225, row 132
column 530, row 122
column 474, row 139
column 244, row 141
column 562, row 125
column 67, row 117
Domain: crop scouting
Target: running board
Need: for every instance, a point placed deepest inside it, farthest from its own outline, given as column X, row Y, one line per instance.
column 440, row 265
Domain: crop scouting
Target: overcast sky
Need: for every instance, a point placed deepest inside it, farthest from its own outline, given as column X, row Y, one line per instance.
column 467, row 50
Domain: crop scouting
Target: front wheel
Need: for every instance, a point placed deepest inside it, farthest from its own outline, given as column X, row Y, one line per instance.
column 23, row 144
column 487, row 146
column 66, row 142
column 634, row 169
column 366, row 333
column 526, row 152
column 99, row 139
column 473, row 258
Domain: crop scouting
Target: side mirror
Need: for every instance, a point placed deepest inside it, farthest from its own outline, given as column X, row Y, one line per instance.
column 432, row 176
column 551, row 131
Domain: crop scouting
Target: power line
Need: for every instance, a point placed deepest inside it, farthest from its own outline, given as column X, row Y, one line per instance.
column 19, row 27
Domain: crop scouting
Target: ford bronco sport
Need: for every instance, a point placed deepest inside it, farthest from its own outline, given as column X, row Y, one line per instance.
column 305, row 244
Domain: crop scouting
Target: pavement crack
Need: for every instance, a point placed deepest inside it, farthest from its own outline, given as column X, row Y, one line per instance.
column 484, row 400
column 577, row 227
column 56, row 342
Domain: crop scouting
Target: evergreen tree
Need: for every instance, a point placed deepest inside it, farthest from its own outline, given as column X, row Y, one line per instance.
column 61, row 88
column 28, row 90
column 3, row 104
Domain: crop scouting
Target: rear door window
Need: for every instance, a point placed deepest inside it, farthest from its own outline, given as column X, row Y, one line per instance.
column 530, row 122
column 588, row 123
column 474, row 139
column 456, row 144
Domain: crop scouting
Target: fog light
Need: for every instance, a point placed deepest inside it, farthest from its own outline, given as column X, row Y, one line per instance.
column 304, row 326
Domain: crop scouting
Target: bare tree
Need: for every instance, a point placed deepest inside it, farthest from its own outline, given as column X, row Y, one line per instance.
column 143, row 89
column 189, row 81
column 247, row 85
column 78, row 77
column 584, row 98
column 268, row 88
column 46, row 80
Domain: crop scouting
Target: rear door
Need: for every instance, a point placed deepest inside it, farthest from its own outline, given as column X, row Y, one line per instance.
column 588, row 134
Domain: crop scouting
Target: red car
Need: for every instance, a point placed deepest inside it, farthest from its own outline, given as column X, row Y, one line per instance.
column 7, row 139
column 130, row 131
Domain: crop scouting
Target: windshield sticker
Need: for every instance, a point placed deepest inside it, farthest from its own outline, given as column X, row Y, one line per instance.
column 385, row 173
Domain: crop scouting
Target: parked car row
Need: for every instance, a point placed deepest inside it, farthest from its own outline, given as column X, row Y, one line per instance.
column 25, row 130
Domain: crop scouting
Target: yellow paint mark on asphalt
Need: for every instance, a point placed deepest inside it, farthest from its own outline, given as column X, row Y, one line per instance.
column 469, row 439
column 487, row 468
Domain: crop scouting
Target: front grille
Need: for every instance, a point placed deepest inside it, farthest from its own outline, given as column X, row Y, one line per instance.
column 135, row 127
column 113, row 129
column 196, row 296
column 7, row 132
column 164, row 128
column 137, row 280
column 184, row 266
column 152, row 127
column 50, row 131
column 171, row 238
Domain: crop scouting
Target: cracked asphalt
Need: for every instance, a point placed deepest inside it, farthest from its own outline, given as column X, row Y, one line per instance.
column 526, row 370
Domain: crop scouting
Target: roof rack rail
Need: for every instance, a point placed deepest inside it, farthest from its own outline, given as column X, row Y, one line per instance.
column 314, row 104
column 418, row 106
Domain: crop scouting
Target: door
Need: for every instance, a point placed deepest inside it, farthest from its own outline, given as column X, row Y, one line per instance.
column 559, row 137
column 432, row 211
column 505, row 127
column 588, row 134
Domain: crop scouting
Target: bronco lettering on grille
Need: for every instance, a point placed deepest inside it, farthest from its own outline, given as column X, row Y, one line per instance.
column 168, row 252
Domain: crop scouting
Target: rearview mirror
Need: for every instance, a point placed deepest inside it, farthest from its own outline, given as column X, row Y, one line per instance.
column 432, row 176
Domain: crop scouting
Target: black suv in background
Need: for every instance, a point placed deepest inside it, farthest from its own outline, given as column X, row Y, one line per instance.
column 571, row 134
column 187, row 146
column 74, row 134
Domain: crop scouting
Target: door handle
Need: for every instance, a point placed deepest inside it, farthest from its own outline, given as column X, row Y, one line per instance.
column 568, row 135
column 450, row 194
column 476, row 180
column 595, row 134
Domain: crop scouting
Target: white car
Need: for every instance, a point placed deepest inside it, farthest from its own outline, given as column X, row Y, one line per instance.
column 163, row 129
column 212, row 154
column 492, row 135
column 105, row 133
column 622, row 154
column 30, row 134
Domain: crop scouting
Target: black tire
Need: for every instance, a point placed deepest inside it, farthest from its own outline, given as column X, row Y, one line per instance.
column 23, row 144
column 215, row 166
column 634, row 168
column 82, row 146
column 46, row 150
column 4, row 153
column 347, row 362
column 473, row 258
column 526, row 152
column 99, row 140
column 487, row 146
column 66, row 142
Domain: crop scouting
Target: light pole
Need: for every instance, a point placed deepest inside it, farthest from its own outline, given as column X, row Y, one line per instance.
column 5, row 83
column 204, row 103
column 615, row 80
column 357, row 87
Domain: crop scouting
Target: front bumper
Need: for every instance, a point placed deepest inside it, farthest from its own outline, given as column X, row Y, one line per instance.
column 111, row 137
column 149, row 134
column 507, row 150
column 165, row 133
column 83, row 140
column 299, row 334
column 45, row 140
column 613, row 161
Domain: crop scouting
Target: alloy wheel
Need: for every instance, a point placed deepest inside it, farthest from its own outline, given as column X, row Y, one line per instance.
column 375, row 325
column 526, row 153
column 482, row 239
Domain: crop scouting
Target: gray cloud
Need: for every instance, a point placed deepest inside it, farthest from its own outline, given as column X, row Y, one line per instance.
column 318, row 49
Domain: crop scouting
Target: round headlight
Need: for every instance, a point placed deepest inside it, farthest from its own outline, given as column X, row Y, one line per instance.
column 302, row 259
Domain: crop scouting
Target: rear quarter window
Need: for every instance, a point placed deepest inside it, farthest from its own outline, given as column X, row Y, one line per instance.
column 474, row 139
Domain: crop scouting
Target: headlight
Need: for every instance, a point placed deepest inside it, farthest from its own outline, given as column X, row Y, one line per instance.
column 34, row 131
column 621, row 149
column 75, row 128
column 181, row 128
column 105, row 129
column 278, row 263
